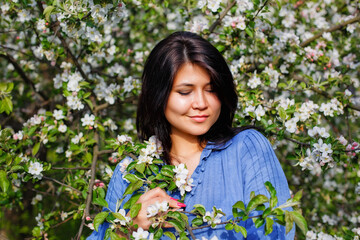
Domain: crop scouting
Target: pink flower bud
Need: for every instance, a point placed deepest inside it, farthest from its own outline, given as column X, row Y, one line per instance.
column 90, row 127
column 74, row 94
column 88, row 218
column 15, row 136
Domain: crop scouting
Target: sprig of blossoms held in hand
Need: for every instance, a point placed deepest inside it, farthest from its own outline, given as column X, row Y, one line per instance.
column 153, row 150
column 155, row 209
column 181, row 179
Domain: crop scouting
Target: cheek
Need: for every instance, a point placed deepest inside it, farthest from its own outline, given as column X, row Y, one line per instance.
column 176, row 106
column 216, row 105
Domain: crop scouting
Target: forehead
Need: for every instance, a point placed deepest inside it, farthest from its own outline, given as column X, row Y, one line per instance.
column 191, row 74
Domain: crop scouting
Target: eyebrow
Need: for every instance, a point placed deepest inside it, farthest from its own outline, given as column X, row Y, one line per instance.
column 188, row 85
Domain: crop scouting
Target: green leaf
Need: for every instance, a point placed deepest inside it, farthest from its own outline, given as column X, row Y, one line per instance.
column 220, row 48
column 47, row 12
column 16, row 168
column 134, row 210
column 131, row 177
column 240, row 205
column 154, row 168
column 114, row 236
column 4, row 182
column 132, row 200
column 241, row 229
column 229, row 226
column 270, row 187
column 300, row 221
column 118, row 216
column 158, row 234
column 170, row 235
column 88, row 157
column 298, row 196
column 177, row 225
column 36, row 148
column 255, row 201
column 101, row 202
column 167, row 172
column 289, row 221
column 133, row 187
column 162, row 185
column 8, row 105
column 99, row 219
column 249, row 32
column 197, row 222
column 200, row 209
column 259, row 222
column 282, row 113
column 89, row 103
column 140, row 167
column 269, row 225
column 273, row 201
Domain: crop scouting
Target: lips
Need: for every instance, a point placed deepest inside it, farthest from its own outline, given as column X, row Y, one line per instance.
column 199, row 118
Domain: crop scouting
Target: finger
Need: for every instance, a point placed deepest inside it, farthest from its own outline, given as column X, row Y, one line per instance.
column 153, row 193
column 174, row 203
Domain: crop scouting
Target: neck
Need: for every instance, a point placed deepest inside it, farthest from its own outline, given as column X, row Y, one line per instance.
column 184, row 148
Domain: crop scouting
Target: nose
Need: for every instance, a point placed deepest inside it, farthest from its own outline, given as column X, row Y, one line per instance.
column 199, row 100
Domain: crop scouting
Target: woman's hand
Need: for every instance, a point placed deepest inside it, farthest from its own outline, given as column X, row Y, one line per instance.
column 150, row 198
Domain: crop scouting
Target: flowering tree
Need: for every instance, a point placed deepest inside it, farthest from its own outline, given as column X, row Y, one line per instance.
column 70, row 75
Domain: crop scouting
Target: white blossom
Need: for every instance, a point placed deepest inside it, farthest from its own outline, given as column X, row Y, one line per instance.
column 88, row 120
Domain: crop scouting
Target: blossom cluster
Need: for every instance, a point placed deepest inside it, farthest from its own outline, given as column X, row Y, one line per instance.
column 181, row 179
column 153, row 150
column 213, row 217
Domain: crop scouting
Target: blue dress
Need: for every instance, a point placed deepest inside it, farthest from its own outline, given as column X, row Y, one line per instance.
column 225, row 175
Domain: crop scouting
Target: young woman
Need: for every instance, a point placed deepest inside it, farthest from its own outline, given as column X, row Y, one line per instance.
column 188, row 101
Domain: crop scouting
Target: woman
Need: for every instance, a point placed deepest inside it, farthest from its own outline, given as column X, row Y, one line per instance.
column 188, row 101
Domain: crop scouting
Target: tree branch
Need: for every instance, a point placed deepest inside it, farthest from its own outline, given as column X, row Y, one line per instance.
column 73, row 168
column 295, row 141
column 55, row 28
column 321, row 92
column 23, row 75
column 92, row 181
column 332, row 29
column 62, row 184
column 261, row 8
column 222, row 15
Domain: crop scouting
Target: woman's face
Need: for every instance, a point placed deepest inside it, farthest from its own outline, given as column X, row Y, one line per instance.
column 192, row 107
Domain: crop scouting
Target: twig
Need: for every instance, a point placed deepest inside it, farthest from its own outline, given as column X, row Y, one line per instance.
column 101, row 107
column 105, row 152
column 23, row 75
column 73, row 168
column 222, row 15
column 63, row 184
column 222, row 223
column 295, row 141
column 92, row 181
column 190, row 230
column 321, row 92
column 260, row 9
column 56, row 225
column 56, row 27
column 332, row 29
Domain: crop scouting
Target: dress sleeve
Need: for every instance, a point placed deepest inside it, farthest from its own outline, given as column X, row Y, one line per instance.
column 115, row 192
column 260, row 164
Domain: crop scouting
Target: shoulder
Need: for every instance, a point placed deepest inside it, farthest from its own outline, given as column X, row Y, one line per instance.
column 250, row 137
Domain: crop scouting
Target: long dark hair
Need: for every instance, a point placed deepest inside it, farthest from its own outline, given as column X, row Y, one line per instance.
column 160, row 69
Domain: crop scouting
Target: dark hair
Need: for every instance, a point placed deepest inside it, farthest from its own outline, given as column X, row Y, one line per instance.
column 160, row 69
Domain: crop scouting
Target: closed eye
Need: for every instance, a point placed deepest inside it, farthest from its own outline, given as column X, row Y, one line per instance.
column 184, row 93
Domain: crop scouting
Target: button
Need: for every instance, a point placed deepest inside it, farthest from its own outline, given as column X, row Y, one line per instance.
column 199, row 182
column 203, row 169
